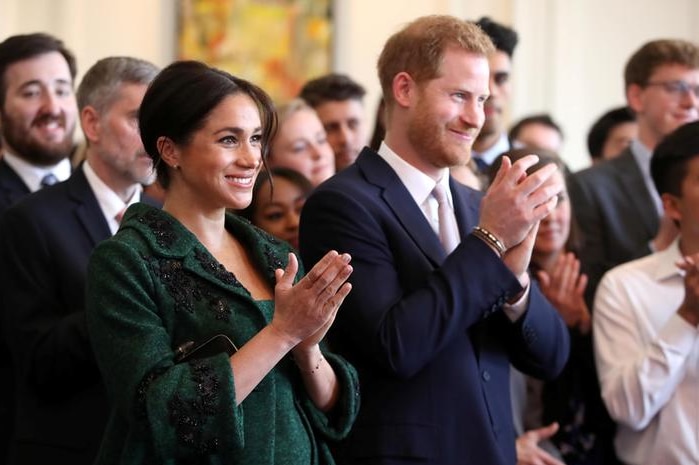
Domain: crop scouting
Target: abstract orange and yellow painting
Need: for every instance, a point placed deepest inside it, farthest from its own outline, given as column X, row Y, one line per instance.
column 277, row 44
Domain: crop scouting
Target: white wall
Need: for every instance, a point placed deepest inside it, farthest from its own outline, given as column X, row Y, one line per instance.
column 569, row 61
column 93, row 29
column 572, row 53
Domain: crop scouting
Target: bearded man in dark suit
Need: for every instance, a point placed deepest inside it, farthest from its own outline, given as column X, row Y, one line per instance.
column 441, row 301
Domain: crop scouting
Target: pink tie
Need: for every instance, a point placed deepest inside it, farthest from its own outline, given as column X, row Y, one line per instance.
column 448, row 230
column 120, row 215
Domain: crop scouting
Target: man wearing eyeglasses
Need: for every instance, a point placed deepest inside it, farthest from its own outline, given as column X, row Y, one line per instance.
column 617, row 208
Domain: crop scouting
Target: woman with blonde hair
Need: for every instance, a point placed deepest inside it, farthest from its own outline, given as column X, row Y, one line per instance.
column 301, row 143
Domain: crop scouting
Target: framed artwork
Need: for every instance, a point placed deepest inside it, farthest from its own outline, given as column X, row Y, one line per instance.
column 277, row 44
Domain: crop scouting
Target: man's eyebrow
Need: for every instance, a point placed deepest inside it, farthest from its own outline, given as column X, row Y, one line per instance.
column 37, row 82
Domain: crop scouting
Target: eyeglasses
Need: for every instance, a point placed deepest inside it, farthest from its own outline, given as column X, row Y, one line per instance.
column 677, row 88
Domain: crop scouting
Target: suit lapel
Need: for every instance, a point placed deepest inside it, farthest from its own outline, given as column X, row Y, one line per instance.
column 399, row 201
column 632, row 182
column 466, row 202
column 87, row 210
column 12, row 187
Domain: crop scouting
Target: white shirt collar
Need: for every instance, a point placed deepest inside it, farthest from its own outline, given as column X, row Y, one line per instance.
column 668, row 258
column 32, row 175
column 110, row 203
column 500, row 147
column 419, row 185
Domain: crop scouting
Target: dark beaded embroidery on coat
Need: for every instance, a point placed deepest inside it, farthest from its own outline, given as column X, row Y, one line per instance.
column 189, row 417
column 142, row 392
column 187, row 290
column 273, row 261
column 162, row 228
column 215, row 268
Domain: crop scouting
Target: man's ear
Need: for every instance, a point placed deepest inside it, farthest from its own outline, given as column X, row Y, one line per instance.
column 90, row 122
column 403, row 89
column 671, row 205
column 634, row 97
column 168, row 151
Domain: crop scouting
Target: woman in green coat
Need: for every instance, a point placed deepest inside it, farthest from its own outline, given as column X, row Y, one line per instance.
column 171, row 280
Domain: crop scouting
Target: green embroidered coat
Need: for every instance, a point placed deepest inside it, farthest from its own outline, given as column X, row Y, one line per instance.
column 152, row 287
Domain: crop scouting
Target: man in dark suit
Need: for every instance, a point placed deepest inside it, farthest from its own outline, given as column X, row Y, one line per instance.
column 46, row 241
column 432, row 331
column 37, row 120
column 615, row 204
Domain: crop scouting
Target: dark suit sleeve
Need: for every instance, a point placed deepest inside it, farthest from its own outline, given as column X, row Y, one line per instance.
column 48, row 342
column 402, row 311
column 539, row 342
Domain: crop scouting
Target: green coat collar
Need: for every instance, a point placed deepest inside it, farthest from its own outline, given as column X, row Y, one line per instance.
column 167, row 238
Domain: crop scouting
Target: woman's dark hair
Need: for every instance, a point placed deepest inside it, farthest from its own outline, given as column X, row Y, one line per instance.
column 181, row 97
column 600, row 130
column 293, row 176
column 545, row 157
column 543, row 119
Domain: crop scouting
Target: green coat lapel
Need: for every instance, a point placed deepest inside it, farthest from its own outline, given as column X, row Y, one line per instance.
column 169, row 239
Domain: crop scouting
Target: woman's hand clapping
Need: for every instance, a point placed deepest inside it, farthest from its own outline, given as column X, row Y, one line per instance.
column 305, row 311
column 564, row 287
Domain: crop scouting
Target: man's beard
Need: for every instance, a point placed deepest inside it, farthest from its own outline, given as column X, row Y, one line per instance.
column 30, row 149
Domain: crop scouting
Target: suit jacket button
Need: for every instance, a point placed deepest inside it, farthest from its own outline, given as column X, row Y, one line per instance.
column 486, row 376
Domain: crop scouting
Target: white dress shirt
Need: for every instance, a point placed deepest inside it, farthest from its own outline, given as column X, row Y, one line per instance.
column 488, row 156
column 32, row 175
column 420, row 187
column 110, row 203
column 648, row 361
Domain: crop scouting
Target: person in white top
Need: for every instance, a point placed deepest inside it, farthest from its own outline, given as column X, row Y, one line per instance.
column 646, row 324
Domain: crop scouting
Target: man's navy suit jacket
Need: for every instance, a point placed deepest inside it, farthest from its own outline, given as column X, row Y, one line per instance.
column 426, row 332
column 45, row 243
column 12, row 189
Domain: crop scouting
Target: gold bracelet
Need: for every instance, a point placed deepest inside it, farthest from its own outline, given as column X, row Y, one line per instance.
column 490, row 239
